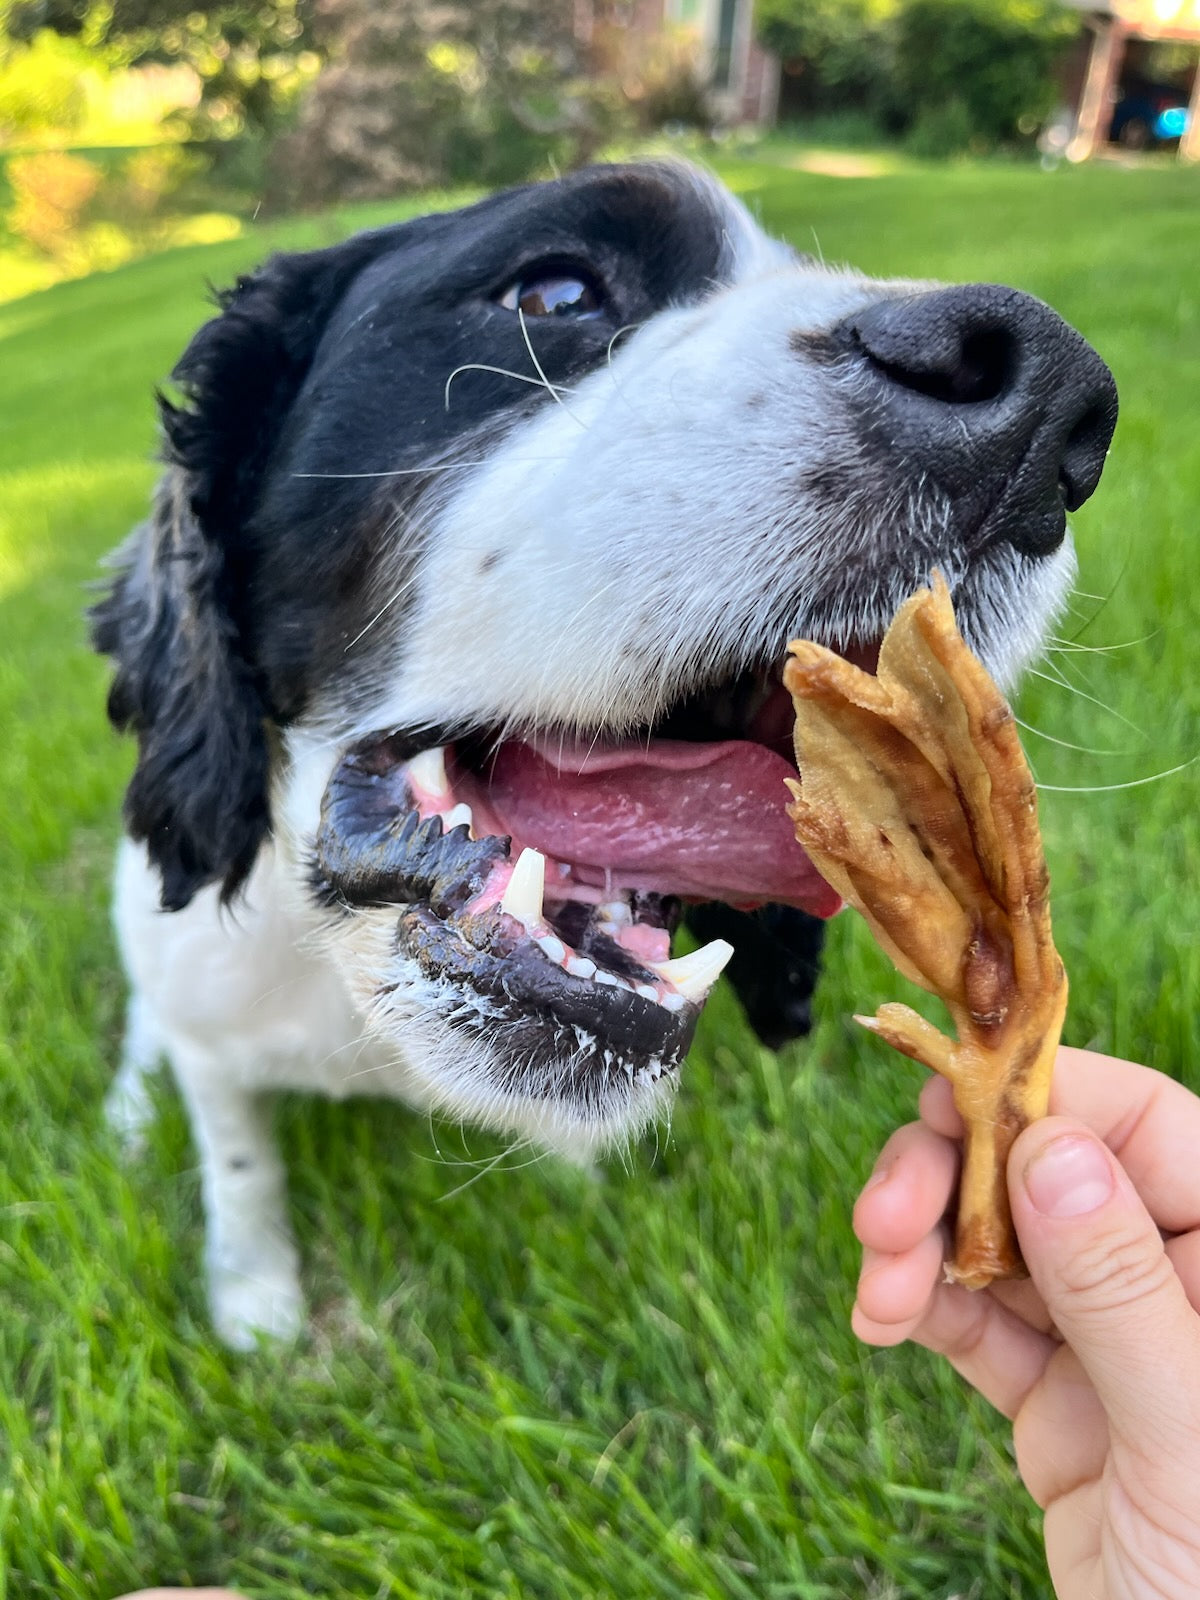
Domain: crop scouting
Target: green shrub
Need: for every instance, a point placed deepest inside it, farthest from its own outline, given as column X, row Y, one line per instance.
column 42, row 86
column 941, row 131
column 841, row 45
column 976, row 71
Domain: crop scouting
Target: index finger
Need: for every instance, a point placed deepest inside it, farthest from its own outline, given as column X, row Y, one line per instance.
column 1150, row 1122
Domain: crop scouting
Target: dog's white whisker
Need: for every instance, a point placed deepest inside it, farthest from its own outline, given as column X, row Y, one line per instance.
column 628, row 327
column 501, row 372
column 1065, row 744
column 555, row 392
column 1111, row 788
column 1057, row 644
column 392, row 600
column 1061, row 683
column 498, row 1162
column 393, row 472
column 467, row 1161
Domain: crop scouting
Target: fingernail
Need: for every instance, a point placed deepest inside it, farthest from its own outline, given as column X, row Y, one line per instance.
column 1069, row 1177
column 880, row 1175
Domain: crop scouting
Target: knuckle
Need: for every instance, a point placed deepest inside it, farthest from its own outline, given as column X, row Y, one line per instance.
column 960, row 1336
column 1110, row 1273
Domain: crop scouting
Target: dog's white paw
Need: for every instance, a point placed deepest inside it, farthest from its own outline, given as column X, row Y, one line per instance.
column 247, row 1307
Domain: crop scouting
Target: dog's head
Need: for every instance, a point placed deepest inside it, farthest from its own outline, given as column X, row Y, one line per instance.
column 471, row 575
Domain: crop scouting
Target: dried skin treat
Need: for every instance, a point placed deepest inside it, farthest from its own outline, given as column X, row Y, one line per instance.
column 916, row 803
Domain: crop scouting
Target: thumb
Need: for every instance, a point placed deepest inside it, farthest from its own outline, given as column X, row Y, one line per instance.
column 1097, row 1258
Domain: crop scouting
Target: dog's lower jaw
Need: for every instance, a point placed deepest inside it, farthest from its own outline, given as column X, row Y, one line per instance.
column 461, row 1063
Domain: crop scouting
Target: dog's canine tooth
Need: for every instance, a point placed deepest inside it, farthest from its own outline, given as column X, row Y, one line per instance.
column 522, row 898
column 694, row 975
column 428, row 772
column 456, row 815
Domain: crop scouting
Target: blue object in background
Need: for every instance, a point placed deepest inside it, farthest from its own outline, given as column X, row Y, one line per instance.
column 1171, row 123
column 1148, row 114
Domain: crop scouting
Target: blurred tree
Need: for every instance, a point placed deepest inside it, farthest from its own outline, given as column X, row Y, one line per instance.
column 978, row 71
column 41, row 87
column 951, row 72
column 841, row 47
column 436, row 91
column 251, row 58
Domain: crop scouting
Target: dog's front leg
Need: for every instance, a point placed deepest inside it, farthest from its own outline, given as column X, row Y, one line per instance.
column 252, row 1261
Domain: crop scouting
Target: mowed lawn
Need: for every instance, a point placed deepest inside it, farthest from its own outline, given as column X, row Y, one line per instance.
column 520, row 1382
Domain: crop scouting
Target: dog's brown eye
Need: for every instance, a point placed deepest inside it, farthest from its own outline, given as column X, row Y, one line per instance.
column 552, row 294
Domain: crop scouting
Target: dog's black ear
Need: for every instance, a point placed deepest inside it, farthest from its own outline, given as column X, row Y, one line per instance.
column 775, row 964
column 174, row 621
column 198, row 796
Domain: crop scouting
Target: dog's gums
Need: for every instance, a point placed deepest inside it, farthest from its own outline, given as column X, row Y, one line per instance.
column 479, row 919
column 540, row 881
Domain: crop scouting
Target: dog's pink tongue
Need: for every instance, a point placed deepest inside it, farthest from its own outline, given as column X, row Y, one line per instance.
column 704, row 820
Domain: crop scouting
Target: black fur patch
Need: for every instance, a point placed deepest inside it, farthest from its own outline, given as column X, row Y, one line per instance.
column 296, row 489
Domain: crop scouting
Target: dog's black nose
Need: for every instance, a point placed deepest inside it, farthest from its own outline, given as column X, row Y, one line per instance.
column 997, row 399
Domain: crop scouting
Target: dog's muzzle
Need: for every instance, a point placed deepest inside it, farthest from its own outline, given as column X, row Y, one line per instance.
column 1007, row 408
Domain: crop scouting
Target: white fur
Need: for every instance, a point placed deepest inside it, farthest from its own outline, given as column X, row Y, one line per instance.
column 650, row 516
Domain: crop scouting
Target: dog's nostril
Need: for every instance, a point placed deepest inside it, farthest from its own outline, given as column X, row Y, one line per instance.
column 989, row 361
column 1083, row 456
column 976, row 369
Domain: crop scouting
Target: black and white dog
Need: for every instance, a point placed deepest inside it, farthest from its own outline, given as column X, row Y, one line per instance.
column 452, row 648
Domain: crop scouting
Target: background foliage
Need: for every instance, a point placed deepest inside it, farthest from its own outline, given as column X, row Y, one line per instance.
column 462, row 91
column 947, row 73
column 979, row 68
column 305, row 101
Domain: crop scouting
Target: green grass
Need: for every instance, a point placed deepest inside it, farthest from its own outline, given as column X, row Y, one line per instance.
column 534, row 1385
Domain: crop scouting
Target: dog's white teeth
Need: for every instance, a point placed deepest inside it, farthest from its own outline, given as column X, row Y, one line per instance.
column 581, row 967
column 554, row 948
column 522, row 898
column 672, row 1001
column 615, row 912
column 611, row 981
column 693, row 976
column 428, row 772
column 456, row 815
column 646, row 990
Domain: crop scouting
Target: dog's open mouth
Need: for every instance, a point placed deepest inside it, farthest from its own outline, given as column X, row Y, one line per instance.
column 540, row 879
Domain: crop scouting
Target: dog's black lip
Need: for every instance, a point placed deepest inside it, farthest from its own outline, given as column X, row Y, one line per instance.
column 374, row 850
column 491, row 955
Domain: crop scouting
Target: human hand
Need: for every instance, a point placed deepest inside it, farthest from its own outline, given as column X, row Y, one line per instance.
column 1096, row 1360
column 173, row 1594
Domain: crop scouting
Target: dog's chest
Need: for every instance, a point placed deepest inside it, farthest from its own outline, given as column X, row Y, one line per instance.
column 250, row 985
